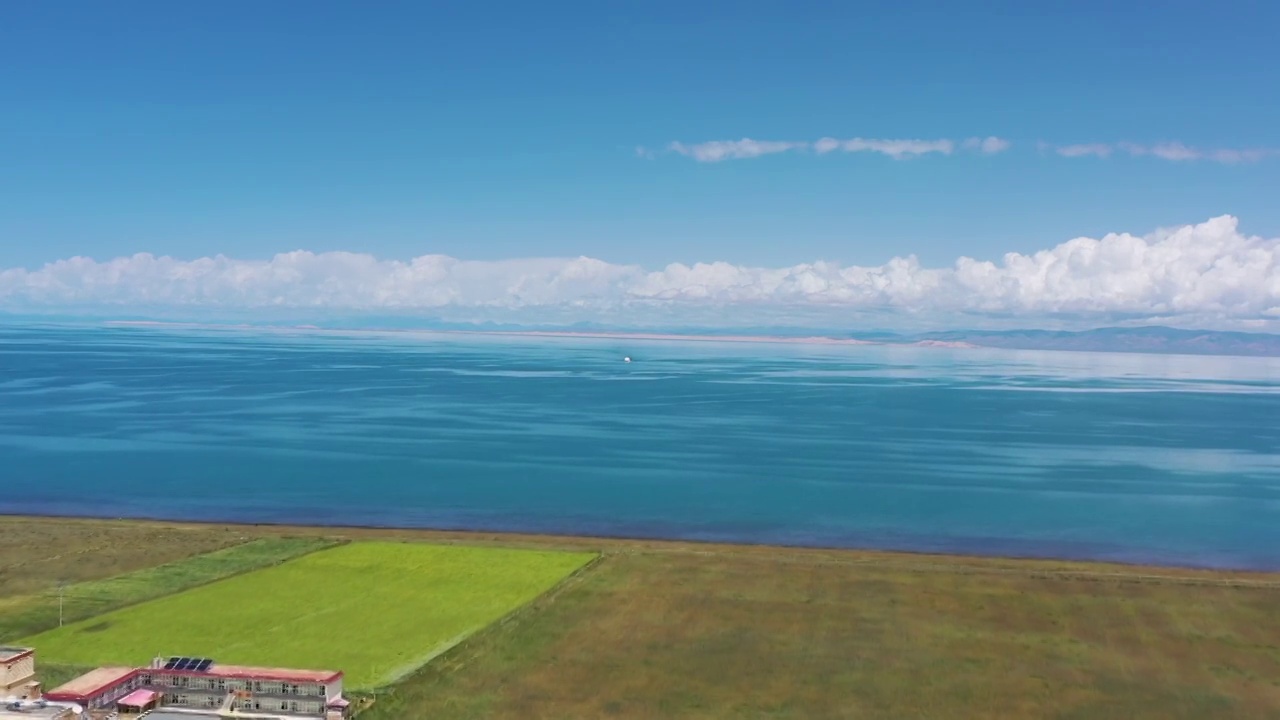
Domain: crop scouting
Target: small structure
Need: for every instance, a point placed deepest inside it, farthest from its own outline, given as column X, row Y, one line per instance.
column 138, row 702
column 18, row 673
column 182, row 685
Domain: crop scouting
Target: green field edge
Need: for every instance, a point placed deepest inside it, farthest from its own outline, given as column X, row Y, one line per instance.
column 445, row 648
column 367, row 699
column 24, row 616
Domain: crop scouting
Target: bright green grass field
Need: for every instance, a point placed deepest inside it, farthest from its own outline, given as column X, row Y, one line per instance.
column 374, row 610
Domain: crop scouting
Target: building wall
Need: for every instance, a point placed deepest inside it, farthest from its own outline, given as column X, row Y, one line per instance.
column 16, row 672
column 309, row 706
column 196, row 700
column 109, row 696
column 160, row 679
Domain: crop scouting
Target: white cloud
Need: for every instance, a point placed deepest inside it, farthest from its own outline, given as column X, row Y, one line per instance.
column 1096, row 149
column 1207, row 268
column 987, row 145
column 1175, row 151
column 1204, row 270
column 1171, row 151
column 899, row 149
column 1232, row 157
column 896, row 149
column 718, row 150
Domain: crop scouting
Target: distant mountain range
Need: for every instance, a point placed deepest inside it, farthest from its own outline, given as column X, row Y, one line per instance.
column 1137, row 339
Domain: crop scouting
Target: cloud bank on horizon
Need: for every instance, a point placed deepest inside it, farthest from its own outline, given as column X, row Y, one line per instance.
column 1208, row 270
column 900, row 149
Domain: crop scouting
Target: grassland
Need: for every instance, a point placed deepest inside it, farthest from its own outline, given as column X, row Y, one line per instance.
column 24, row 614
column 682, row 630
column 37, row 553
column 743, row 635
column 375, row 610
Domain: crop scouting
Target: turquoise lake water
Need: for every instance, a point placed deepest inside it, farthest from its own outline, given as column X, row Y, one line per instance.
column 1143, row 458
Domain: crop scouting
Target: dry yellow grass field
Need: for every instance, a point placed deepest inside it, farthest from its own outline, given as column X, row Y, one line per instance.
column 744, row 635
column 37, row 553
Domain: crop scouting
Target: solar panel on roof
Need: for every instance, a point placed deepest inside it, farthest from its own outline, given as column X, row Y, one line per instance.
column 184, row 664
column 173, row 662
column 204, row 664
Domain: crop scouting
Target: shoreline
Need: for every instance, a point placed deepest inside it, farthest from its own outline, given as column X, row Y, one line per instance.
column 1061, row 567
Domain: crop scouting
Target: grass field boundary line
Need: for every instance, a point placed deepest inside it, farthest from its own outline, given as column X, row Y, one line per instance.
column 511, row 619
column 416, row 664
column 970, row 569
column 501, row 623
column 328, row 543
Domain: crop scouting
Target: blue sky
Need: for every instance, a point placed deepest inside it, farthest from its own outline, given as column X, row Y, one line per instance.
column 492, row 131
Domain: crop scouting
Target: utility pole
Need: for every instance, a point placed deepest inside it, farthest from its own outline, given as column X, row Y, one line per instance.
column 62, row 586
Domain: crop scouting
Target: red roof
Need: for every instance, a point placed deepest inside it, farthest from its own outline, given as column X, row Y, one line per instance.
column 139, row 698
column 91, row 684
